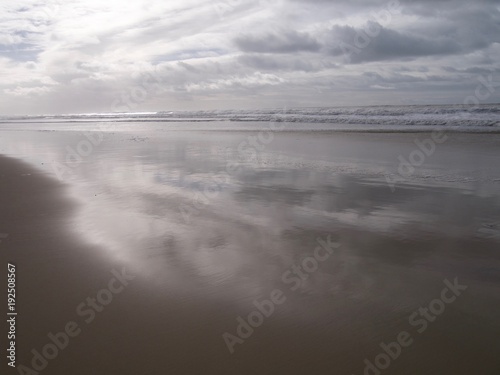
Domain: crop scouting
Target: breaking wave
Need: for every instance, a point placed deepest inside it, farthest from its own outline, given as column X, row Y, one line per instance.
column 401, row 117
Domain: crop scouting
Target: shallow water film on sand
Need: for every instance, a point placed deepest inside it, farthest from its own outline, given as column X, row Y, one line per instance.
column 255, row 247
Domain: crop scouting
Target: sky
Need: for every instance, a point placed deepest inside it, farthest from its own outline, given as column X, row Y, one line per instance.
column 81, row 56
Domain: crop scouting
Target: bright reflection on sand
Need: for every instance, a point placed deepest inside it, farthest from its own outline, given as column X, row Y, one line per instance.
column 135, row 186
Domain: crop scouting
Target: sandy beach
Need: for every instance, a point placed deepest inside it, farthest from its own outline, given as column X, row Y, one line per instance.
column 312, row 258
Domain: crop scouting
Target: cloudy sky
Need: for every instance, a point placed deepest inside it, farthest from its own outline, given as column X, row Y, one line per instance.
column 74, row 56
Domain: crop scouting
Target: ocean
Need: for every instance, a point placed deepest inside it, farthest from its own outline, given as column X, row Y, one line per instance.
column 459, row 118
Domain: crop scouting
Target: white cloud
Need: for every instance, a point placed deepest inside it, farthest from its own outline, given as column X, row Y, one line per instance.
column 28, row 91
column 84, row 55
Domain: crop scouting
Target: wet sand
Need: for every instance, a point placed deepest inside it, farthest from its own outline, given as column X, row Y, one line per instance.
column 194, row 279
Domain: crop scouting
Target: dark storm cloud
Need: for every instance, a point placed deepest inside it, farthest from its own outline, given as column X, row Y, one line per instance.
column 381, row 3
column 266, row 62
column 447, row 28
column 278, row 42
column 458, row 31
column 471, row 70
column 388, row 44
column 433, row 7
column 474, row 26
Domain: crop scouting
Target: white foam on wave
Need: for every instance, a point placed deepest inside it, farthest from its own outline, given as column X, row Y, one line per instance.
column 483, row 118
